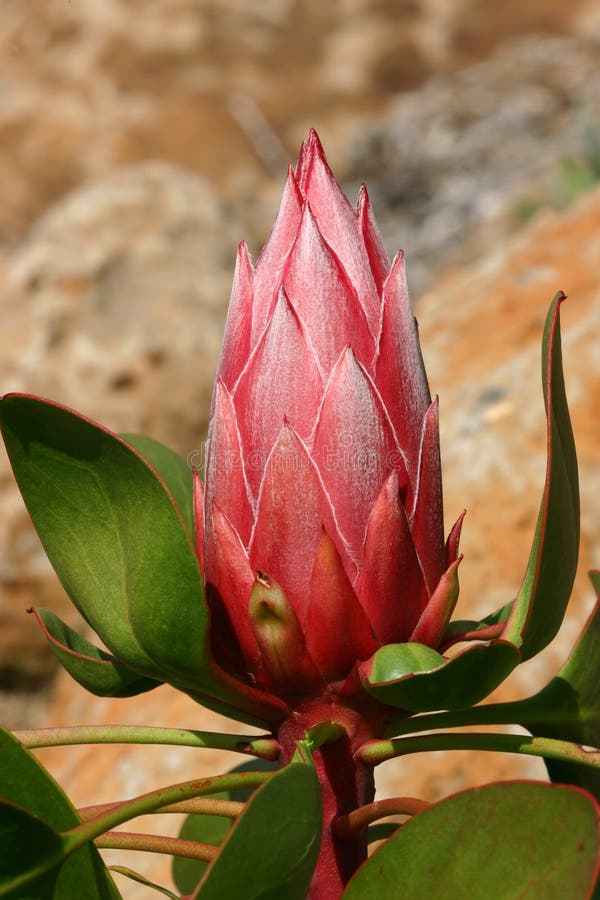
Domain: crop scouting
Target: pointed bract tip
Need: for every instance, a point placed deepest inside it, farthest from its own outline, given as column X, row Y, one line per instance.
column 243, row 255
column 362, row 199
column 398, row 264
column 313, row 140
column 311, row 150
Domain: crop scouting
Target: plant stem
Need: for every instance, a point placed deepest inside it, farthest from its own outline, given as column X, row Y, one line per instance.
column 154, row 800
column 375, row 752
column 345, row 781
column 350, row 826
column 263, row 746
column 210, row 807
column 155, row 843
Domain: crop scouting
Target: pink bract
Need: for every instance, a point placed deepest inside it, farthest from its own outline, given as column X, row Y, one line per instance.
column 320, row 523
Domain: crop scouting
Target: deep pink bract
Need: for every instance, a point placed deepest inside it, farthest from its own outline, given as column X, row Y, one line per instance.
column 319, row 526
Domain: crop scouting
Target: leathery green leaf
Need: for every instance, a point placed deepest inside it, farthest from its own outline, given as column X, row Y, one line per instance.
column 569, row 706
column 272, row 849
column 44, row 811
column 455, row 683
column 540, row 606
column 31, row 855
column 120, row 547
column 172, row 468
column 98, row 672
column 522, row 840
column 113, row 535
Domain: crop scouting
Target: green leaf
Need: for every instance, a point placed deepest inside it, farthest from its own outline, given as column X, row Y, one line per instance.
column 463, row 626
column 30, row 851
column 569, row 706
column 540, row 606
column 187, row 873
column 135, row 876
column 210, row 829
column 501, row 841
column 394, row 661
column 272, row 849
column 121, row 550
column 455, row 683
column 112, row 534
column 44, row 810
column 172, row 468
column 381, row 831
column 98, row 672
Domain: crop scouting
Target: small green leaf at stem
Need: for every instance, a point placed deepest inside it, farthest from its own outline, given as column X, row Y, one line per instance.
column 511, row 841
column 452, row 684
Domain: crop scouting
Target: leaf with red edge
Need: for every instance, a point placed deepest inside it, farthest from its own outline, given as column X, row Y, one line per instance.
column 417, row 678
column 511, row 841
column 98, row 672
column 485, row 629
column 540, row 606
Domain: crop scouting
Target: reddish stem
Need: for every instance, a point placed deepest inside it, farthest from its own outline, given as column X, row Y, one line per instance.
column 346, row 783
column 347, row 826
column 156, row 843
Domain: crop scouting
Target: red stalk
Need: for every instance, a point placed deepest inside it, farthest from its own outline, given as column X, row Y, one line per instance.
column 346, row 783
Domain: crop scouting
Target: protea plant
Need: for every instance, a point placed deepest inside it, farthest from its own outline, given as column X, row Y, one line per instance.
column 320, row 526
column 305, row 587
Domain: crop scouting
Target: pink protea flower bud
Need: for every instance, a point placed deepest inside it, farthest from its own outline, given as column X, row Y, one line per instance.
column 320, row 523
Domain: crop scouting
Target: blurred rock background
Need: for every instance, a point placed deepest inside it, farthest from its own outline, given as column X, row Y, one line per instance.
column 140, row 141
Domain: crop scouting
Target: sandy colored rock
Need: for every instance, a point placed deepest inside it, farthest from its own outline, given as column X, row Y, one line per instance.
column 481, row 330
column 456, row 164
column 88, row 86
